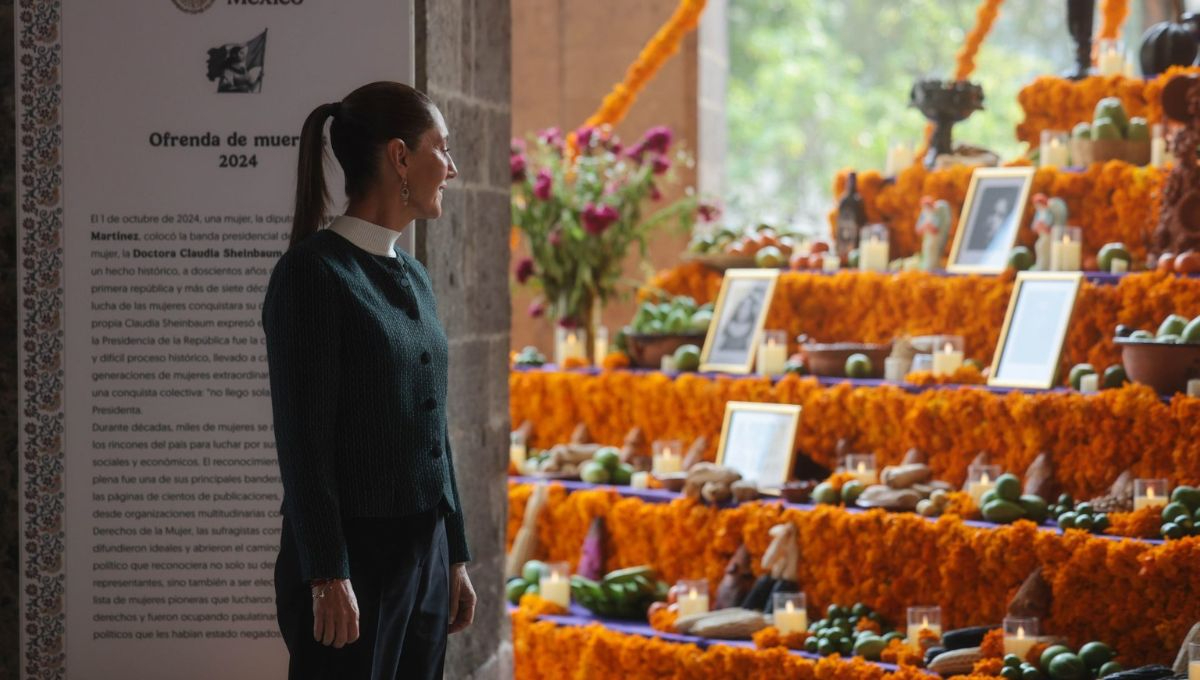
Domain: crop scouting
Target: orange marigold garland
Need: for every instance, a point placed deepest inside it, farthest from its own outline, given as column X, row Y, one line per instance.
column 771, row 637
column 887, row 561
column 993, row 645
column 964, row 375
column 985, row 16
column 661, row 47
column 1144, row 523
column 901, row 653
column 1113, row 14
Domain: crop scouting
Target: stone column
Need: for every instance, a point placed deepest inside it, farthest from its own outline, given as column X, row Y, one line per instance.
column 463, row 62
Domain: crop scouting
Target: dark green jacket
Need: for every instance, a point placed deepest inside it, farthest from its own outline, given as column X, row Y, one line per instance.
column 358, row 364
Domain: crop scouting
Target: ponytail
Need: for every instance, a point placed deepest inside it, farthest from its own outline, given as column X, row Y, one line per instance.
column 312, row 195
column 362, row 123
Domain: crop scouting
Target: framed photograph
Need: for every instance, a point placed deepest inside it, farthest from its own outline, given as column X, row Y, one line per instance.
column 759, row 441
column 990, row 218
column 1035, row 328
column 738, row 319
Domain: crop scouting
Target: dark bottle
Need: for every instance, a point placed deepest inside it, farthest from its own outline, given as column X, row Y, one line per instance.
column 851, row 217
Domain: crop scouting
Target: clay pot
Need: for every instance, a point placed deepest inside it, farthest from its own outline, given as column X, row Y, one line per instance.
column 1164, row 367
column 830, row 359
column 647, row 351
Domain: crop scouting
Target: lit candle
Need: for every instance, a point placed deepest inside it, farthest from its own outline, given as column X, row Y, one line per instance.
column 977, row 489
column 980, row 480
column 667, row 458
column 830, row 262
column 947, row 361
column 517, row 450
column 862, row 466
column 640, row 480
column 914, row 631
column 873, row 250
column 694, row 602
column 1066, row 250
column 567, row 345
column 555, row 587
column 1149, row 493
column 790, row 613
column 772, row 353
column 1019, row 643
column 1110, row 62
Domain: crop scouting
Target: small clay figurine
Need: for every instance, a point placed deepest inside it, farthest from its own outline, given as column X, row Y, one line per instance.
column 933, row 226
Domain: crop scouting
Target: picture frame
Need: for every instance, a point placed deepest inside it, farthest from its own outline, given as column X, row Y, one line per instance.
column 1035, row 327
column 990, row 220
column 738, row 318
column 759, row 441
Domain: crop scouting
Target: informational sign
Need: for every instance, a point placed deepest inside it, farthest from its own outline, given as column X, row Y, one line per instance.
column 157, row 150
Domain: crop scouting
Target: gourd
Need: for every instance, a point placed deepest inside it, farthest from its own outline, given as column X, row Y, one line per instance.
column 1167, row 44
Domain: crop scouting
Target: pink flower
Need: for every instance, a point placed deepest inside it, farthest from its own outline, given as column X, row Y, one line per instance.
column 708, row 212
column 661, row 164
column 583, row 136
column 551, row 136
column 516, row 146
column 544, row 184
column 524, row 270
column 657, row 139
column 616, row 146
column 598, row 218
column 516, row 163
column 556, row 237
column 637, row 152
column 655, row 194
column 536, row 309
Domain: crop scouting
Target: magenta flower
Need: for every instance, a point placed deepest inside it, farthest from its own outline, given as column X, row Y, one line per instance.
column 516, row 164
column 536, row 309
column 637, row 152
column 598, row 218
column 583, row 136
column 556, row 237
column 544, row 184
column 708, row 212
column 616, row 147
column 655, row 194
column 524, row 270
column 551, row 136
column 657, row 139
column 661, row 164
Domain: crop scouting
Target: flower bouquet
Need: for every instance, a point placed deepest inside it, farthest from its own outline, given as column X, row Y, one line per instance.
column 579, row 204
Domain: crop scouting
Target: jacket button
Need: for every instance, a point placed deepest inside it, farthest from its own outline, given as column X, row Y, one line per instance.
column 430, row 404
column 404, row 282
column 425, row 358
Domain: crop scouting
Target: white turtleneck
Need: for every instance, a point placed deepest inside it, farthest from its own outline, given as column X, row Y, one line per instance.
column 366, row 235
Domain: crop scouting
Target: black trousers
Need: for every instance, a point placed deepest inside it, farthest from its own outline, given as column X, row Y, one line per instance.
column 399, row 570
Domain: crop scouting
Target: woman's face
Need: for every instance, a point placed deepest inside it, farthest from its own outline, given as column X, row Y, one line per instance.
column 430, row 168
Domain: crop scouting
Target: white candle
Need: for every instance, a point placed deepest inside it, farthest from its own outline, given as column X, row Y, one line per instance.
column 895, row 368
column 873, row 255
column 1118, row 265
column 1150, row 499
column 864, row 474
column 1193, row 387
column 1129, row 72
column 1110, row 62
column 1019, row 644
column 1054, row 154
column 555, row 588
column 1158, row 152
column 640, row 480
column 668, row 363
column 568, row 346
column 976, row 489
column 914, row 632
column 772, row 356
column 791, row 620
column 1065, row 255
column 667, row 462
column 1194, row 670
column 830, row 262
column 1089, row 383
column 600, row 345
column 693, row 603
column 947, row 361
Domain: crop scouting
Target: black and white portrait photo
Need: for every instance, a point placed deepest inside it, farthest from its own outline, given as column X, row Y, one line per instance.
column 1035, row 329
column 990, row 219
column 238, row 67
column 738, row 320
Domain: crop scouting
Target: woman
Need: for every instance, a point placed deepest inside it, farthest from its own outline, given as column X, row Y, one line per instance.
column 371, row 574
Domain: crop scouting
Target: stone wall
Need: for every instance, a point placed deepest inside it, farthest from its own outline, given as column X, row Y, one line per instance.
column 463, row 62
column 10, row 639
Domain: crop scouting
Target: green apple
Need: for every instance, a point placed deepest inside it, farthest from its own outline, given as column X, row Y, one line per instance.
column 858, row 366
column 1139, row 130
column 687, row 358
column 1111, row 107
column 1082, row 130
column 1172, row 325
column 1020, row 259
column 1191, row 332
column 1105, row 128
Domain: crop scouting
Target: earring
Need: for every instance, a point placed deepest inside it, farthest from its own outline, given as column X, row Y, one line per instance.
column 404, row 191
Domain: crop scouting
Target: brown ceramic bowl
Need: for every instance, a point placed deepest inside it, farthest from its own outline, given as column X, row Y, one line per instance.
column 647, row 351
column 1164, row 367
column 830, row 359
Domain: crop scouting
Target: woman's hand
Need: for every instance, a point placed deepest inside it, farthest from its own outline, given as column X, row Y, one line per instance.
column 335, row 614
column 462, row 598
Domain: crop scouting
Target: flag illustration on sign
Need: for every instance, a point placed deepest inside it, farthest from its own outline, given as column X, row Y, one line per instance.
column 238, row 67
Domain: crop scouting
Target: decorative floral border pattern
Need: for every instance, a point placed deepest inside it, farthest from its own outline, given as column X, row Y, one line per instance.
column 40, row 269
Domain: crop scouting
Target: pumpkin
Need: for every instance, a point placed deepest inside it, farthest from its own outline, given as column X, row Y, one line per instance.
column 1167, row 44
